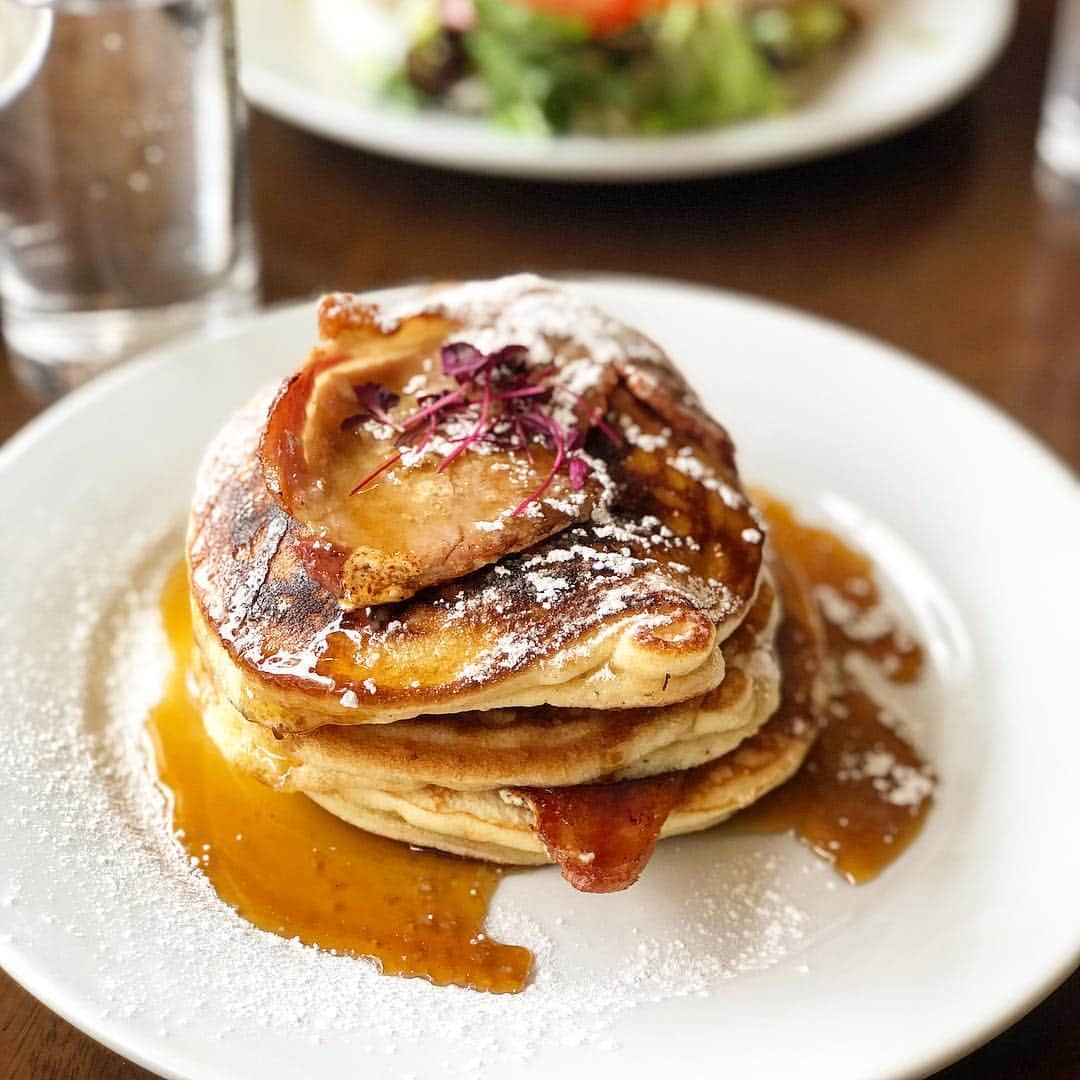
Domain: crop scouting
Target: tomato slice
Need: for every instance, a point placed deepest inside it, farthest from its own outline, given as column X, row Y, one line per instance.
column 601, row 16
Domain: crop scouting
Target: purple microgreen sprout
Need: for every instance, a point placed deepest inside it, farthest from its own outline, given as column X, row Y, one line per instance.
column 375, row 403
column 377, row 472
column 595, row 418
column 468, row 440
column 579, row 470
column 461, row 360
column 509, row 399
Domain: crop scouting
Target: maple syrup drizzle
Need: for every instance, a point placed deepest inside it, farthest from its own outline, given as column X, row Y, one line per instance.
column 863, row 793
column 290, row 867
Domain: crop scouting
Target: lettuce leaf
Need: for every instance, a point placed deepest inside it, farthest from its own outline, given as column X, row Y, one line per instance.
column 684, row 66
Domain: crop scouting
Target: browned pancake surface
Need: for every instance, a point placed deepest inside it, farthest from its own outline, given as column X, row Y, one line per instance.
column 624, row 609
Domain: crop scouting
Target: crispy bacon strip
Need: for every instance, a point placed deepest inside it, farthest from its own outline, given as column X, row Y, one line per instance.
column 281, row 449
column 662, row 389
column 602, row 835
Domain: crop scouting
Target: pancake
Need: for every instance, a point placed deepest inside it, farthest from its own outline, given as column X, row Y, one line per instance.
column 627, row 609
column 513, row 747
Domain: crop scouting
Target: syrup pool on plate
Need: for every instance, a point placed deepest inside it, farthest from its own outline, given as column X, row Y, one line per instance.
column 293, row 869
column 863, row 792
column 290, row 867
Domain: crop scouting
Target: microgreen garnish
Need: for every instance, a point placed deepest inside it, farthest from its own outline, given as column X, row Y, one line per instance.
column 511, row 404
column 375, row 403
column 579, row 470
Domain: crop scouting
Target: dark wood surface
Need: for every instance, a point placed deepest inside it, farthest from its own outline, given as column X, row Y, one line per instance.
column 934, row 241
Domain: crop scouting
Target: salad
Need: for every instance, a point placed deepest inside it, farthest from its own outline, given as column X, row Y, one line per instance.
column 614, row 67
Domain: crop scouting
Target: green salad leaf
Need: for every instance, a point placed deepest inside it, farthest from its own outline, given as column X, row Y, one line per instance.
column 683, row 66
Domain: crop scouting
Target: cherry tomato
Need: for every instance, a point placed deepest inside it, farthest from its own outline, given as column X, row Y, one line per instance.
column 601, row 16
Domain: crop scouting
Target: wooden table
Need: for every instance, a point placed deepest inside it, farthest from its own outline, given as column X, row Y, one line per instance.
column 934, row 241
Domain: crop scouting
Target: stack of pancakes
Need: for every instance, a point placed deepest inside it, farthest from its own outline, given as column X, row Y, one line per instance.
column 481, row 577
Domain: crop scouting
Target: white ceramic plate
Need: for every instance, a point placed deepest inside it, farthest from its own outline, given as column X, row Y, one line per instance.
column 740, row 953
column 304, row 60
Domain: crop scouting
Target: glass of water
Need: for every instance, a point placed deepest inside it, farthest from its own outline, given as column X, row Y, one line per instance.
column 1057, row 172
column 124, row 214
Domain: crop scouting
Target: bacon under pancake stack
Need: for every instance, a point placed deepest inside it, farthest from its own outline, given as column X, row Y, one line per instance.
column 482, row 577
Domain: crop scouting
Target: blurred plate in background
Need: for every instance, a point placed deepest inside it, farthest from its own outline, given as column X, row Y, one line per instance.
column 310, row 62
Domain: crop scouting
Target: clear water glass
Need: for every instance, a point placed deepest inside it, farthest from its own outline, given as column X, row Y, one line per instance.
column 1057, row 170
column 124, row 211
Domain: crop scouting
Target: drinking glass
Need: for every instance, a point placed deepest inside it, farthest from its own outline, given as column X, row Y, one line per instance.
column 124, row 210
column 1058, row 144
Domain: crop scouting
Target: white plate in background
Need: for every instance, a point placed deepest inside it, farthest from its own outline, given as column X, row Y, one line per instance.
column 738, row 953
column 303, row 60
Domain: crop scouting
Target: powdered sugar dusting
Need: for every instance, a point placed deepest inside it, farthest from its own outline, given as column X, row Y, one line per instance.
column 689, row 464
column 895, row 707
column 523, row 309
column 894, row 781
column 858, row 623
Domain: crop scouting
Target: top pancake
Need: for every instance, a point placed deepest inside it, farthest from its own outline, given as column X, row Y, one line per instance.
column 626, row 609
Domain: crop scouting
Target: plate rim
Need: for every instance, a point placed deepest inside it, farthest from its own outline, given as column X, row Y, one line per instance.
column 391, row 136
column 159, row 1057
